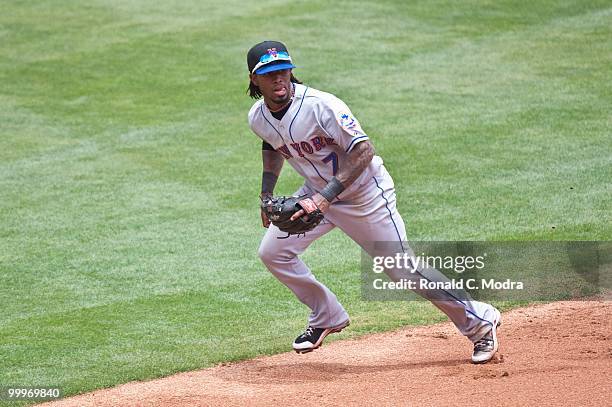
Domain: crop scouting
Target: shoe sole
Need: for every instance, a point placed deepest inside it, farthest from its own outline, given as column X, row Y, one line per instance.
column 495, row 342
column 321, row 338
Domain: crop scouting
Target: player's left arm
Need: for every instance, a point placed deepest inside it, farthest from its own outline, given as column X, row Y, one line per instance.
column 357, row 161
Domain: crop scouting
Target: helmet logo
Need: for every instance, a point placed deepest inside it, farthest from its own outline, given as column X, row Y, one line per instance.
column 272, row 52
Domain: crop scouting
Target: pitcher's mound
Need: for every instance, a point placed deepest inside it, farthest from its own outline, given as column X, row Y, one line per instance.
column 550, row 355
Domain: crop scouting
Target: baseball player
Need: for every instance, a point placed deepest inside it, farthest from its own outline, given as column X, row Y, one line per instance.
column 316, row 133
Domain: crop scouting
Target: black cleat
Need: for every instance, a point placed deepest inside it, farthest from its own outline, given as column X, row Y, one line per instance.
column 313, row 337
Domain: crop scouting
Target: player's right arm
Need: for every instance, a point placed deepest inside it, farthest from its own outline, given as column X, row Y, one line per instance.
column 272, row 165
column 272, row 159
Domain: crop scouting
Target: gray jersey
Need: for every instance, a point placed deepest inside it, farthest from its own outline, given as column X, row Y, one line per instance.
column 315, row 136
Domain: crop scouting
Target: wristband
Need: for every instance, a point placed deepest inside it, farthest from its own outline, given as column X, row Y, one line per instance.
column 268, row 181
column 333, row 188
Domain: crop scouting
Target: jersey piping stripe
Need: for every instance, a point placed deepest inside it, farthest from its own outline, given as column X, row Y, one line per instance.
column 382, row 194
column 290, row 135
column 364, row 137
column 271, row 125
column 402, row 245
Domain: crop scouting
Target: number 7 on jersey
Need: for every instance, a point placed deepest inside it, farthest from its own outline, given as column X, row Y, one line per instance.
column 333, row 157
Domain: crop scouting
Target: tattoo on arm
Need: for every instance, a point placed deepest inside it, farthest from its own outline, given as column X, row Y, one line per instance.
column 358, row 160
column 272, row 165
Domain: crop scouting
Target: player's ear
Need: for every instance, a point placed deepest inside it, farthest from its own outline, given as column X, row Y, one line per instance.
column 253, row 78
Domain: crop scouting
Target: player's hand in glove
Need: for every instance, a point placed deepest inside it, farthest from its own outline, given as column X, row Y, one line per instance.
column 321, row 203
column 283, row 211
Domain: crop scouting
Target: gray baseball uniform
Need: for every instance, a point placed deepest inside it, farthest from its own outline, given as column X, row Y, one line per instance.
column 315, row 136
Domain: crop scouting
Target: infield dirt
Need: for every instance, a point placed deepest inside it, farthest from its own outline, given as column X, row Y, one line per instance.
column 553, row 354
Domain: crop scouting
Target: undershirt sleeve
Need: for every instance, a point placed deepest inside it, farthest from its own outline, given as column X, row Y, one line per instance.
column 266, row 146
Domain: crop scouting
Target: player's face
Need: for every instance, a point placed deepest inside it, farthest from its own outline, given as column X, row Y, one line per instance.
column 275, row 86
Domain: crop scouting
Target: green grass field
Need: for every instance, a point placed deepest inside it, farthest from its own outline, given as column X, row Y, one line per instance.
column 129, row 178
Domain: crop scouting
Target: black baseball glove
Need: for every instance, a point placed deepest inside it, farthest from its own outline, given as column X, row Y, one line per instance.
column 280, row 209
